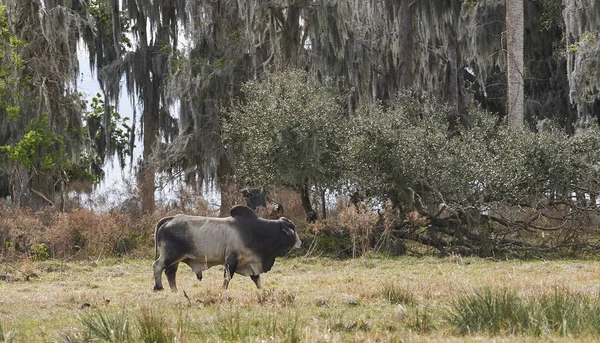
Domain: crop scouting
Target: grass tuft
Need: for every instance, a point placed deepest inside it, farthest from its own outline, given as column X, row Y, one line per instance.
column 239, row 326
column 488, row 310
column 7, row 335
column 565, row 313
column 153, row 328
column 395, row 294
column 422, row 321
column 102, row 326
column 561, row 312
column 275, row 297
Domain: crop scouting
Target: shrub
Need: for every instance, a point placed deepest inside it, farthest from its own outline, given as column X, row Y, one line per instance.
column 287, row 132
column 483, row 187
column 39, row 252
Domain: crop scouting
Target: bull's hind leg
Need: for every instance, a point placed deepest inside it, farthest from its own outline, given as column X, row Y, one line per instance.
column 163, row 264
column 256, row 279
column 171, row 272
column 158, row 267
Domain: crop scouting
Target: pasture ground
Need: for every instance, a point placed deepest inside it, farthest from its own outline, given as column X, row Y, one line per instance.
column 404, row 299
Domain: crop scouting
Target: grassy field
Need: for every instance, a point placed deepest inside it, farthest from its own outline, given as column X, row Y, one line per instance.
column 302, row 300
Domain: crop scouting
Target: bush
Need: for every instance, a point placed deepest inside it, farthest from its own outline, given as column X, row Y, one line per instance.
column 483, row 188
column 287, row 132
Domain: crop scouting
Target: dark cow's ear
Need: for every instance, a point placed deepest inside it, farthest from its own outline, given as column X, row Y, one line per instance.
column 289, row 231
column 241, row 211
column 288, row 227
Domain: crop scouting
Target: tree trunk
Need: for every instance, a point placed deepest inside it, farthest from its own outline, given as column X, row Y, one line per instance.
column 290, row 33
column 405, row 30
column 453, row 81
column 226, row 186
column 514, row 50
column 311, row 215
column 323, row 205
column 150, row 99
column 148, row 169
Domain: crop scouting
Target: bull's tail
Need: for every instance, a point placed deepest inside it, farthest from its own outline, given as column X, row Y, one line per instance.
column 158, row 226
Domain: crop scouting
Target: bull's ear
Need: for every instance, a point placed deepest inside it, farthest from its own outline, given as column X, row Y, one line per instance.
column 289, row 231
column 241, row 211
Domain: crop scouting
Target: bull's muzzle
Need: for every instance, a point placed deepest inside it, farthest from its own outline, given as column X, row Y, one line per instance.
column 298, row 243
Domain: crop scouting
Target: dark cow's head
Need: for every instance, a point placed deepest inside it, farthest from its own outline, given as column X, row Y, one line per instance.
column 285, row 227
column 290, row 230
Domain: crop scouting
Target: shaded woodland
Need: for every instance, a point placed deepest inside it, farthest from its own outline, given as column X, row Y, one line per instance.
column 467, row 126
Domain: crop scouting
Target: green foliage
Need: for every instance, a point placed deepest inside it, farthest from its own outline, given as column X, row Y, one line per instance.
column 39, row 252
column 551, row 13
column 11, row 66
column 288, row 130
column 242, row 326
column 405, row 152
column 40, row 148
column 338, row 246
column 120, row 131
column 102, row 13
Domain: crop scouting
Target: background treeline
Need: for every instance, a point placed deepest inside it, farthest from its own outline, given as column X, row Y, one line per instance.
column 382, row 124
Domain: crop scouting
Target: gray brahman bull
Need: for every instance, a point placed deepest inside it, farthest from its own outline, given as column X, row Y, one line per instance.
column 244, row 243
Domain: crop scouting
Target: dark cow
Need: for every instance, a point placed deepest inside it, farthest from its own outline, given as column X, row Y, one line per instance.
column 244, row 243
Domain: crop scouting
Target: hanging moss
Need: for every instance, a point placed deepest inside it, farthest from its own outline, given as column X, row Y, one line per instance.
column 582, row 22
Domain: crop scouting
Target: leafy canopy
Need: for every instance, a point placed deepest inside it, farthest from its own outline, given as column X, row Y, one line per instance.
column 288, row 131
column 405, row 152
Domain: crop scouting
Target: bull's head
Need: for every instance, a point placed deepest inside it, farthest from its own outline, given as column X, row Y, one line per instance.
column 290, row 230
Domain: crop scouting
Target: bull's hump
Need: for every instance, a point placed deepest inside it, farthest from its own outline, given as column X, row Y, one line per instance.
column 243, row 212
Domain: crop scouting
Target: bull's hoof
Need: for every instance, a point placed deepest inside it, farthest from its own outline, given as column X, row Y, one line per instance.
column 158, row 288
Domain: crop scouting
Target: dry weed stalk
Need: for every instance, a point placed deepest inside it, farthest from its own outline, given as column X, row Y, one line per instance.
column 361, row 223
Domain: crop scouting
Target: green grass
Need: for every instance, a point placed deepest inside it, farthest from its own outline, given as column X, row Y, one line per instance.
column 306, row 300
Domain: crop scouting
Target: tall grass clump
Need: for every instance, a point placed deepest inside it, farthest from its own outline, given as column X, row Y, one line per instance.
column 565, row 313
column 240, row 327
column 7, row 335
column 395, row 294
column 153, row 327
column 114, row 327
column 491, row 311
column 561, row 312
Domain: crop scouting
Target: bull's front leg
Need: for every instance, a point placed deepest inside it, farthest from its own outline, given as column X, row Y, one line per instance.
column 231, row 263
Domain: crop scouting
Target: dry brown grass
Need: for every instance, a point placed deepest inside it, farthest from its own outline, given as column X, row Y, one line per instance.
column 313, row 300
